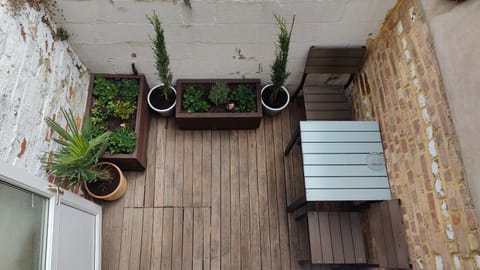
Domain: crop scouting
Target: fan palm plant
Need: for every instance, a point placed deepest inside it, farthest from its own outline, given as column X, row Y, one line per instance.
column 74, row 163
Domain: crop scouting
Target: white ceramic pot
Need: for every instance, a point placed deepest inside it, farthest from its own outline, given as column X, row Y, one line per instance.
column 273, row 111
column 162, row 111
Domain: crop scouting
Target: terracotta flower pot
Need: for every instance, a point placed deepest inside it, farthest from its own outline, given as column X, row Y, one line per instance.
column 118, row 190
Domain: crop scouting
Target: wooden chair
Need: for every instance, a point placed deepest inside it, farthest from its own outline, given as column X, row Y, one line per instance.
column 337, row 238
column 327, row 102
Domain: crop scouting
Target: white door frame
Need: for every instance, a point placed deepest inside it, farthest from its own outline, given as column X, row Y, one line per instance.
column 22, row 179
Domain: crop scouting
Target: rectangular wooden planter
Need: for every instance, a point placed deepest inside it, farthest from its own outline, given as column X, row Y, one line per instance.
column 211, row 120
column 136, row 161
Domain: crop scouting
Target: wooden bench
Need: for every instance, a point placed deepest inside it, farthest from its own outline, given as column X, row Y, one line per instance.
column 337, row 238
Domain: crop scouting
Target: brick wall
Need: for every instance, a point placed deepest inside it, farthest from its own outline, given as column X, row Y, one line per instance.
column 39, row 75
column 401, row 86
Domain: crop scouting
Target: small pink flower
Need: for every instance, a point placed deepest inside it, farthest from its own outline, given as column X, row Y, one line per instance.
column 123, row 125
column 231, row 105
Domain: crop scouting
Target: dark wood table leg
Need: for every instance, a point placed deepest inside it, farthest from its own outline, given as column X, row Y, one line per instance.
column 293, row 140
column 296, row 204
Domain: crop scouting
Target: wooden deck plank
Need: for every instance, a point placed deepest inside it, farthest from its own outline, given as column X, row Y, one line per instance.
column 139, row 196
column 254, row 209
column 156, row 261
column 281, row 196
column 244, row 201
column 197, row 238
column 336, row 234
column 188, row 169
column 126, row 239
column 399, row 237
column 150, row 171
column 207, row 158
column 112, row 233
column 347, row 238
column 325, row 233
column 169, row 164
column 272, row 195
column 128, row 199
column 167, row 238
column 215, row 245
column 197, row 168
column 188, row 227
column 388, row 234
column 315, row 238
column 265, row 247
column 379, row 245
column 206, row 237
column 136, row 242
column 147, row 237
column 225, row 199
column 160, row 147
column 235, row 206
column 177, row 238
column 358, row 241
column 178, row 180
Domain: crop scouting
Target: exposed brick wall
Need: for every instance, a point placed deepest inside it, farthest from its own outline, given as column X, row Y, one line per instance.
column 401, row 87
column 38, row 76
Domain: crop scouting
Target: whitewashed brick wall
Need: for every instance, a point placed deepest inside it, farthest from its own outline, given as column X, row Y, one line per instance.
column 38, row 76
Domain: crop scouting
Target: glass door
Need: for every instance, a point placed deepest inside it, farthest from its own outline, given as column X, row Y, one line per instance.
column 23, row 228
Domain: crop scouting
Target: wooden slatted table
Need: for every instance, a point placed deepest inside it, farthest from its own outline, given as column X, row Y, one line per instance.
column 342, row 161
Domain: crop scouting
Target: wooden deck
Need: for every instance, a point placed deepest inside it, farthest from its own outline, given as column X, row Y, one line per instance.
column 210, row 200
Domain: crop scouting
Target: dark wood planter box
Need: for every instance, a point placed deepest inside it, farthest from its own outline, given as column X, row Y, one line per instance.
column 220, row 120
column 136, row 161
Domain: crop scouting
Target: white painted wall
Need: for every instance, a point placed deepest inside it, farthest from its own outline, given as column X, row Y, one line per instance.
column 216, row 38
column 456, row 37
column 38, row 76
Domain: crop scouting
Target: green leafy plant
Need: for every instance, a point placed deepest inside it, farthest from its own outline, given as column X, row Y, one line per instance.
column 242, row 99
column 279, row 68
column 219, row 94
column 128, row 90
column 122, row 140
column 193, row 100
column 122, row 109
column 162, row 60
column 74, row 162
column 105, row 90
column 62, row 34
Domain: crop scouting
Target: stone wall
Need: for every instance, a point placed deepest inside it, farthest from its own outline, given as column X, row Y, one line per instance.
column 39, row 75
column 401, row 86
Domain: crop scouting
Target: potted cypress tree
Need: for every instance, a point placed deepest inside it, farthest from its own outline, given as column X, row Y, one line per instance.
column 161, row 97
column 76, row 162
column 275, row 96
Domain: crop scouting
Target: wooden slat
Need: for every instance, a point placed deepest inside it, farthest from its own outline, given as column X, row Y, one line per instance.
column 399, row 236
column 330, row 106
column 160, row 161
column 357, row 237
column 326, row 236
column 376, row 229
column 178, row 180
column 237, row 241
column 150, row 170
column 225, row 199
column 207, row 168
column 167, row 238
column 139, row 195
column 346, row 182
column 335, row 61
column 347, row 194
column 136, row 242
column 347, row 238
column 147, row 235
column 198, row 238
column 206, row 237
column 335, row 159
column 197, row 168
column 342, row 170
column 330, row 148
column 244, row 200
column 366, row 136
column 322, row 89
column 254, row 218
column 177, row 238
column 156, row 261
column 332, row 69
column 336, row 52
column 339, row 126
column 187, row 238
column 314, row 238
column 169, row 164
column 263, row 198
column 215, row 245
column 336, row 234
column 388, row 235
column 329, row 115
column 187, row 164
column 324, row 98
column 126, row 238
